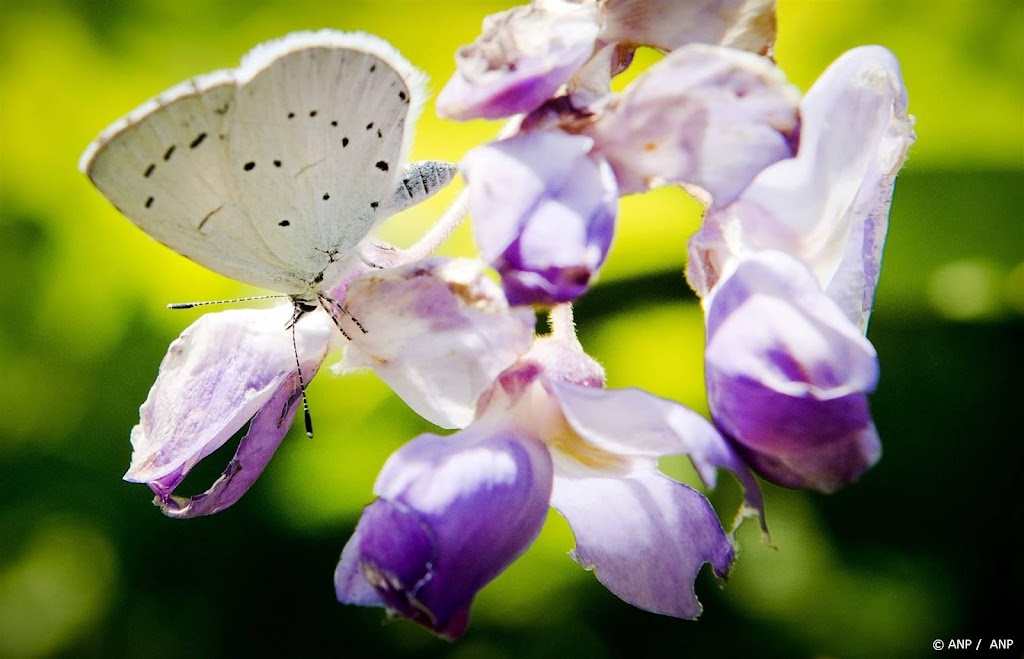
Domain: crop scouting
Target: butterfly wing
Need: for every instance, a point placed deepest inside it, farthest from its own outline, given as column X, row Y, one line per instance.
column 271, row 173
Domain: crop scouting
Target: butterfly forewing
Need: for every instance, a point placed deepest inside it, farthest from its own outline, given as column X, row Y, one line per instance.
column 339, row 119
column 271, row 173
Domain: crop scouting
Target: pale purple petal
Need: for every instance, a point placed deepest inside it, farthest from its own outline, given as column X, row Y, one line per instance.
column 788, row 376
column 216, row 376
column 561, row 358
column 828, row 206
column 265, row 433
column 438, row 332
column 452, row 513
column 543, row 213
column 633, row 422
column 645, row 536
column 523, row 56
column 706, row 116
column 668, row 24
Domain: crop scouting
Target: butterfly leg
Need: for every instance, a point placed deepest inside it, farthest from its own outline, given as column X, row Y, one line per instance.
column 330, row 304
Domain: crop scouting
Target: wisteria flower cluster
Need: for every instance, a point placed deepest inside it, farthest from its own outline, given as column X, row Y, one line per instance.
column 797, row 190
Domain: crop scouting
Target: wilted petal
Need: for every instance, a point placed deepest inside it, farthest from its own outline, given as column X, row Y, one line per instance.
column 788, row 376
column 668, row 24
column 645, row 536
column 828, row 206
column 265, row 433
column 523, row 56
column 452, row 513
column 544, row 213
column 705, row 115
column 216, row 376
column 438, row 332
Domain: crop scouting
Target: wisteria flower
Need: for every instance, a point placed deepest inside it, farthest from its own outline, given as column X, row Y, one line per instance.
column 528, row 53
column 707, row 117
column 225, row 369
column 703, row 116
column 547, row 213
column 829, row 205
column 788, row 376
column 523, row 56
column 787, row 274
column 452, row 512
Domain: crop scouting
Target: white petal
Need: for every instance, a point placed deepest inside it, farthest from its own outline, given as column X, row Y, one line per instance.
column 438, row 332
column 215, row 377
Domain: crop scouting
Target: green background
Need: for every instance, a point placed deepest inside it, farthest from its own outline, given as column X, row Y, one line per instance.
column 926, row 546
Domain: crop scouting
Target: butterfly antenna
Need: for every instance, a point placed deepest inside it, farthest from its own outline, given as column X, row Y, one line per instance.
column 189, row 305
column 302, row 387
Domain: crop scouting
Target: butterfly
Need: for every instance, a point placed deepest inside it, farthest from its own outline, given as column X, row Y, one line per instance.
column 275, row 172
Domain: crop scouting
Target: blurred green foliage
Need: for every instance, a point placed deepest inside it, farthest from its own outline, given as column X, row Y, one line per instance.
column 927, row 545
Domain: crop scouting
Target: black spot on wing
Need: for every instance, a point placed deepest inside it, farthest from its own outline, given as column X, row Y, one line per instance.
column 327, row 196
column 291, row 115
column 149, row 170
column 283, row 223
column 248, row 166
column 379, row 134
column 277, row 163
column 374, row 204
column 402, row 95
column 334, row 122
column 373, row 67
column 369, row 126
column 312, row 113
column 344, row 141
column 169, row 152
column 197, row 141
column 382, row 166
column 149, row 202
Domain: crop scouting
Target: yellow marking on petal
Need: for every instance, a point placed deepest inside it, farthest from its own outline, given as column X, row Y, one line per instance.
column 567, row 442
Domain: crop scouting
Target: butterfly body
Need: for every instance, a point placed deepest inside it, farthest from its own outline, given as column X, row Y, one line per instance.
column 274, row 173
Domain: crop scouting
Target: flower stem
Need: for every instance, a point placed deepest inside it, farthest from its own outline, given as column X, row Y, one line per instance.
column 561, row 323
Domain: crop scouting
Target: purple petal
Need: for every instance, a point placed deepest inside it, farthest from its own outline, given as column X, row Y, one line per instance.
column 788, row 376
column 266, row 431
column 218, row 374
column 544, row 212
column 523, row 56
column 438, row 332
column 645, row 536
column 828, row 206
column 633, row 422
column 668, row 24
column 453, row 513
column 706, row 116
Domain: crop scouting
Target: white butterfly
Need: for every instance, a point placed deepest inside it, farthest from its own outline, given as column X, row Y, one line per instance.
column 274, row 173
